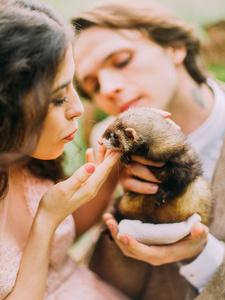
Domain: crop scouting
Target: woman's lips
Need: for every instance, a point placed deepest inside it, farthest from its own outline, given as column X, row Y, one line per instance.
column 71, row 136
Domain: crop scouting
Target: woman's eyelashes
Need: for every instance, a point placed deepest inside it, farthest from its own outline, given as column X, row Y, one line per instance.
column 59, row 102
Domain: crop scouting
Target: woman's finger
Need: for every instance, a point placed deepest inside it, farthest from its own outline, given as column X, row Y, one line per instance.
column 105, row 167
column 90, row 156
column 69, row 186
column 91, row 187
column 100, row 155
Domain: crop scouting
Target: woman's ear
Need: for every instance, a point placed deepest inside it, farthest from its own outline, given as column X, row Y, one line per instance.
column 177, row 54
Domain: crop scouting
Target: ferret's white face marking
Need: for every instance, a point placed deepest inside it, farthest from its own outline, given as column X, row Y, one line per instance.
column 112, row 140
column 121, row 139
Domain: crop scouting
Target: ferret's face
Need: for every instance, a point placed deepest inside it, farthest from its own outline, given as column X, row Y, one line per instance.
column 120, row 139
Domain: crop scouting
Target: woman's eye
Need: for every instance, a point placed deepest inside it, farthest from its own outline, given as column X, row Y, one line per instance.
column 59, row 102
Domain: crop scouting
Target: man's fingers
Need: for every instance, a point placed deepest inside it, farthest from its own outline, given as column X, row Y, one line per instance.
column 163, row 113
column 198, row 229
column 137, row 186
column 108, row 216
column 174, row 124
column 144, row 161
column 166, row 115
column 140, row 171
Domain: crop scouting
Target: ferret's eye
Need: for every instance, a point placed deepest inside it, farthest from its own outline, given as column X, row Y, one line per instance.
column 115, row 137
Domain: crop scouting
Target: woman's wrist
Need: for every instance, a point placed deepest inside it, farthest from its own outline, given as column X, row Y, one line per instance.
column 44, row 223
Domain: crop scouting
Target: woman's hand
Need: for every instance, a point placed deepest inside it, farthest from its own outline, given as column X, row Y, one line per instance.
column 186, row 249
column 67, row 196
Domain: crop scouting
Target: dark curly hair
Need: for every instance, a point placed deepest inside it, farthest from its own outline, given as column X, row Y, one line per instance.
column 33, row 42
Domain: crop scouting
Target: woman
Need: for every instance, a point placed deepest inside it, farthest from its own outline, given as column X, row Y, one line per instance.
column 141, row 54
column 38, row 211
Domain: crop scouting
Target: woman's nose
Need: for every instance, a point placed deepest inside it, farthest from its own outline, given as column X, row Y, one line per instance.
column 75, row 107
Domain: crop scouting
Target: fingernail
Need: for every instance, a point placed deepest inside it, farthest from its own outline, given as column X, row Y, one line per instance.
column 89, row 168
column 152, row 188
column 167, row 114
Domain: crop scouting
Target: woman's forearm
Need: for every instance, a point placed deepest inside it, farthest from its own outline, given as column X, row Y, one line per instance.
column 87, row 215
column 32, row 276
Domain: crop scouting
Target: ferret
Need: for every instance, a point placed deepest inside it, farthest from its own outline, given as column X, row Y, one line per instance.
column 182, row 190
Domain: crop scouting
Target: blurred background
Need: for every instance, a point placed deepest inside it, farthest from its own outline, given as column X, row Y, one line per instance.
column 208, row 16
column 194, row 11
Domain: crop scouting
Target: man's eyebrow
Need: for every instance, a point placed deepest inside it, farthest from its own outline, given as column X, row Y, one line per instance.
column 61, row 87
column 87, row 77
column 109, row 56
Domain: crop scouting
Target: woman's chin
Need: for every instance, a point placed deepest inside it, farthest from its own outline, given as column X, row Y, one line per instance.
column 47, row 156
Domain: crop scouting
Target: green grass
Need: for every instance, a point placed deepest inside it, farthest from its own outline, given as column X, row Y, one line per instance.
column 218, row 70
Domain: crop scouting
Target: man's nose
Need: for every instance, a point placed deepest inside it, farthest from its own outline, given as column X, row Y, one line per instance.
column 110, row 84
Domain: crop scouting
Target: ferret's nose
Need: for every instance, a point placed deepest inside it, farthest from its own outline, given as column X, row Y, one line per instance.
column 100, row 141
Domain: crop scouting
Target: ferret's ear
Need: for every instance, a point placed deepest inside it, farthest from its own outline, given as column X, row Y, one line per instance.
column 131, row 133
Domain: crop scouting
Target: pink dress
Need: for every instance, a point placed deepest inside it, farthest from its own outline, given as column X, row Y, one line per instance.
column 66, row 280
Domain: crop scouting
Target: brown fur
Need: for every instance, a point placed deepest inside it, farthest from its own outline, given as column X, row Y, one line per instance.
column 182, row 191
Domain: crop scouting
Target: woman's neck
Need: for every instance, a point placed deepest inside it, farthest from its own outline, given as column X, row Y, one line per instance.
column 19, row 220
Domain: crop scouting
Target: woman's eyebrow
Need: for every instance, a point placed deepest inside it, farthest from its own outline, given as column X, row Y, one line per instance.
column 61, row 87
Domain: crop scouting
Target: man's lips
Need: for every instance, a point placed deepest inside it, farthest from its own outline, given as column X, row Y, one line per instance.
column 129, row 104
